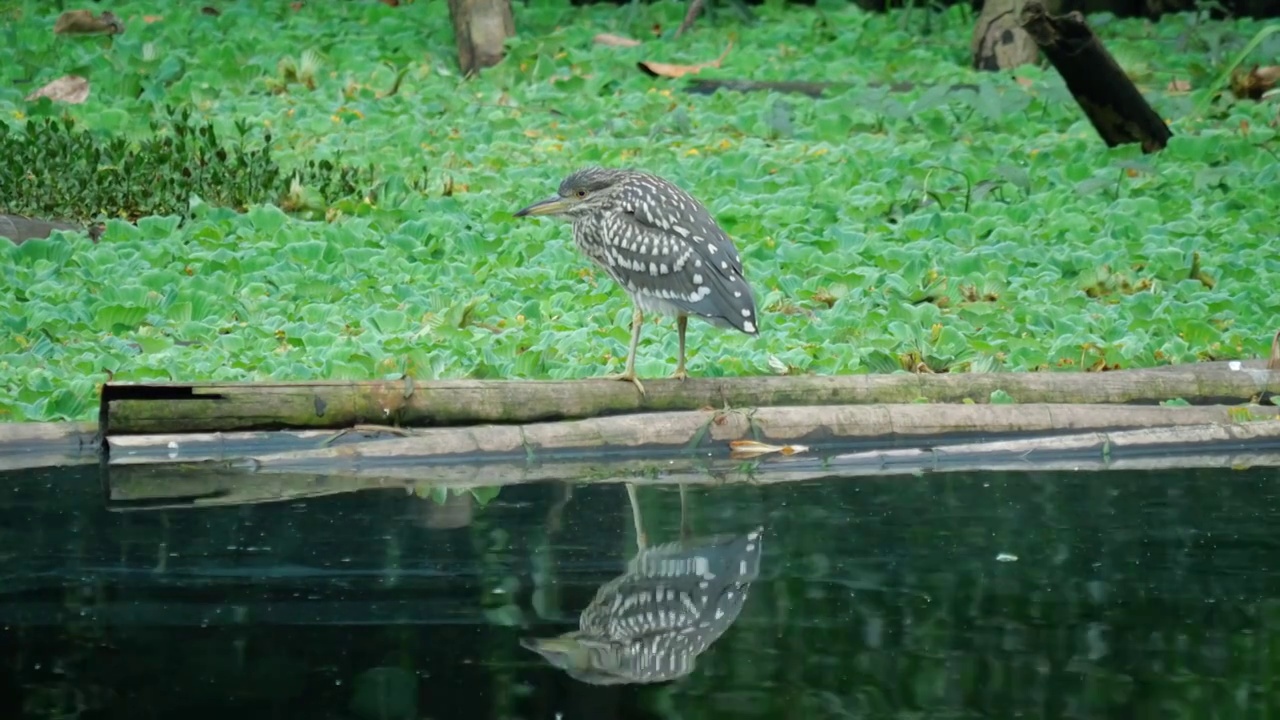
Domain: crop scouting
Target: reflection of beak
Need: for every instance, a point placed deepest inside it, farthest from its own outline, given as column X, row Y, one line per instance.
column 559, row 651
column 550, row 206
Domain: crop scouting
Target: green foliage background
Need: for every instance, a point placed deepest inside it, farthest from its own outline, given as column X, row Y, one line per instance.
column 979, row 229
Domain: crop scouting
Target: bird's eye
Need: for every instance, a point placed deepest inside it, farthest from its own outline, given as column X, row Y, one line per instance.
column 581, row 194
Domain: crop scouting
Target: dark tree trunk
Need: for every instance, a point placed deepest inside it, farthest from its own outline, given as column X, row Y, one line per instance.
column 999, row 40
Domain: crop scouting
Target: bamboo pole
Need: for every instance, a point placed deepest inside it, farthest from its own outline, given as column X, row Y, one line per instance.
column 674, row 432
column 144, row 408
column 159, row 487
column 33, row 445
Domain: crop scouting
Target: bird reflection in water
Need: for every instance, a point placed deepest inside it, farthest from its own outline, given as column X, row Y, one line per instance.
column 651, row 623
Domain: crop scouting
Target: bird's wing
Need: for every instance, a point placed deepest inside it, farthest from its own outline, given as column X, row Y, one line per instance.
column 688, row 275
column 681, row 215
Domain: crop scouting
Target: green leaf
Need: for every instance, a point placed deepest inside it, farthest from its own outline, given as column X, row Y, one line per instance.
column 1000, row 397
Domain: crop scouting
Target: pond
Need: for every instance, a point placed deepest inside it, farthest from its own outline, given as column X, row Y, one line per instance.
column 944, row 595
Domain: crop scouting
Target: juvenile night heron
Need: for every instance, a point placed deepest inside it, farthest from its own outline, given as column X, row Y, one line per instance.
column 650, row 624
column 661, row 245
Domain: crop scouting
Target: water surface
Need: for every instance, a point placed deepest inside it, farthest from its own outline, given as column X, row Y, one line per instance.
column 1017, row 595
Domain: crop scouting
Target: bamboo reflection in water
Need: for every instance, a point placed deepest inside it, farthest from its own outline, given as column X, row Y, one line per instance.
column 651, row 623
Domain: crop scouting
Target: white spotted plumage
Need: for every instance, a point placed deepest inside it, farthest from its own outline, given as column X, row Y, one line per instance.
column 663, row 247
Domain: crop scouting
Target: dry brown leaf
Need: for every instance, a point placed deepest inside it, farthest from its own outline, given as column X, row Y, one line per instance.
column 615, row 40
column 1253, row 83
column 148, row 19
column 71, row 89
column 1178, row 86
column 659, row 69
column 742, row 449
column 83, row 22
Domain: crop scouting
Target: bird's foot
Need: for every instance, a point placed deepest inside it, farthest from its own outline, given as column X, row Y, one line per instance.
column 680, row 374
column 628, row 376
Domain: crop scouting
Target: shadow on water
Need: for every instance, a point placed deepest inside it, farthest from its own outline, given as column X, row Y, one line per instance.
column 949, row 595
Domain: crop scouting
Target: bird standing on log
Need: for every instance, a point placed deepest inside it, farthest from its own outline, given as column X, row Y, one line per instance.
column 661, row 245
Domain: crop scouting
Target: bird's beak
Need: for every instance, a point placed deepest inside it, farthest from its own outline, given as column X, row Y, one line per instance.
column 550, row 206
column 560, row 651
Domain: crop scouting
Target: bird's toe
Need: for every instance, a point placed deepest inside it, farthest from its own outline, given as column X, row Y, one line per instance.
column 627, row 377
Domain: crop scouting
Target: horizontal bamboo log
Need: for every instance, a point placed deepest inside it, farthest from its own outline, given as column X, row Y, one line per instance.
column 156, row 487
column 674, row 432
column 34, row 445
column 144, row 408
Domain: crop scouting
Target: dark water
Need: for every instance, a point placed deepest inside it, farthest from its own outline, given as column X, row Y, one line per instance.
column 1046, row 595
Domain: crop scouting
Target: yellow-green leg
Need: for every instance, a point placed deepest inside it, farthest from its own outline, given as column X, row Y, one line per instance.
column 686, row 529
column 642, row 539
column 629, row 375
column 682, row 322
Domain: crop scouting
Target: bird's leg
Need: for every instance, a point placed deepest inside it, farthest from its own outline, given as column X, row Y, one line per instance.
column 682, row 323
column 686, row 530
column 642, row 540
column 629, row 375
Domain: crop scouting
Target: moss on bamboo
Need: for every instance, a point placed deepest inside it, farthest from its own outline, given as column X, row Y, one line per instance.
column 208, row 407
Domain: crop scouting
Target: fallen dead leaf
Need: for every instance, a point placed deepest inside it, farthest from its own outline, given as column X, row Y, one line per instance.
column 1178, row 86
column 1254, row 83
column 659, row 69
column 615, row 40
column 71, row 89
column 742, row 449
column 148, row 19
column 83, row 22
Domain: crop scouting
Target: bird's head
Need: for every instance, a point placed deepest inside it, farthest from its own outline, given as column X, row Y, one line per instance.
column 571, row 652
column 582, row 193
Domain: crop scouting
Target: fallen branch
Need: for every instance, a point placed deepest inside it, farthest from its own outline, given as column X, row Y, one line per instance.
column 1108, row 97
column 708, row 86
column 142, row 408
